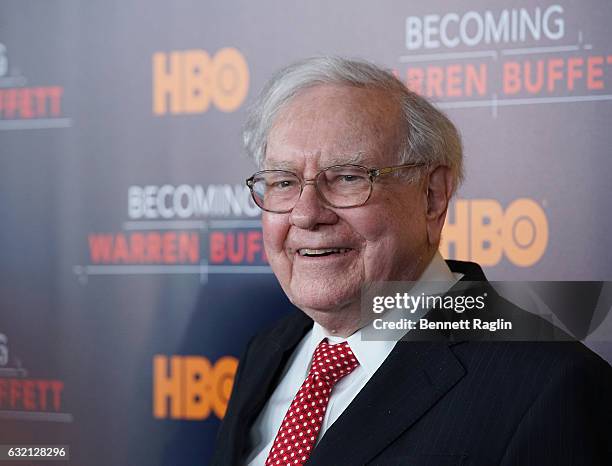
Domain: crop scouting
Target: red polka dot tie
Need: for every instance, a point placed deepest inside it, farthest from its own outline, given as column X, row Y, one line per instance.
column 300, row 428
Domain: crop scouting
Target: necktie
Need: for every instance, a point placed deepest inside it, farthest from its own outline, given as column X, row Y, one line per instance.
column 301, row 425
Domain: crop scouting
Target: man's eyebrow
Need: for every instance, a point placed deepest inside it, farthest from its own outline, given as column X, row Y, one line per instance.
column 279, row 165
column 356, row 159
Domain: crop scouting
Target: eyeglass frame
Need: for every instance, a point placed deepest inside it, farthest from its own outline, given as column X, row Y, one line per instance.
column 373, row 175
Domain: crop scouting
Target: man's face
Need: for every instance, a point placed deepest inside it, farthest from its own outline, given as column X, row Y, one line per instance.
column 385, row 239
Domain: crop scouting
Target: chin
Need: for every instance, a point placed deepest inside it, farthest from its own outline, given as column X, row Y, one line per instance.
column 322, row 295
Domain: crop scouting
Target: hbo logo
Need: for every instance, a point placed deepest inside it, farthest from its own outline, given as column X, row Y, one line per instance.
column 188, row 81
column 481, row 231
column 190, row 387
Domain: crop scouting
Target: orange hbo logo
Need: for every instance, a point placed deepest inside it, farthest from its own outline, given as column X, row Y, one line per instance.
column 187, row 81
column 189, row 387
column 481, row 231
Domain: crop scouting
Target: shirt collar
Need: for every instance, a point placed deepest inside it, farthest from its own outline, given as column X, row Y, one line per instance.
column 369, row 353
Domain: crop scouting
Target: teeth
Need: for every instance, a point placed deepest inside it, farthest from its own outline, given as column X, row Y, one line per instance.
column 321, row 252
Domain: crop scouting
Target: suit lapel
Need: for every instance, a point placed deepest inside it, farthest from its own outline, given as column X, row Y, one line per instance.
column 412, row 380
column 270, row 356
column 414, row 377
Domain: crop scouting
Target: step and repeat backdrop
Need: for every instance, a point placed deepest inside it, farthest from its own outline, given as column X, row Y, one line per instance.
column 132, row 270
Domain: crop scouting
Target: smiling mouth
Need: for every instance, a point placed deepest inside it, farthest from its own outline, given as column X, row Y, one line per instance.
column 306, row 252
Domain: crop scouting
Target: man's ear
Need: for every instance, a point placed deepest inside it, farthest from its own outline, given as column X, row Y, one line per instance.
column 440, row 187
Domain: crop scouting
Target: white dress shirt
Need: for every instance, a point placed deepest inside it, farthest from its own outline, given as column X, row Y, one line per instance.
column 370, row 354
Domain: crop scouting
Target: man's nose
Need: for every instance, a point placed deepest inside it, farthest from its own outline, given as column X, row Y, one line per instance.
column 310, row 210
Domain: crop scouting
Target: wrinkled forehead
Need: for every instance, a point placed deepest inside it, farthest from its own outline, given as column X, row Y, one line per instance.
column 287, row 161
column 331, row 125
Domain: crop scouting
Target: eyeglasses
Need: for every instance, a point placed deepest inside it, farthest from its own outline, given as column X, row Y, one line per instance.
column 339, row 186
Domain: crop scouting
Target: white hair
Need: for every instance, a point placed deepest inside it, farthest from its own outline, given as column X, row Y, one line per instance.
column 430, row 137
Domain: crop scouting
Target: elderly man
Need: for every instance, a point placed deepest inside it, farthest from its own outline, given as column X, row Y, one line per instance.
column 356, row 175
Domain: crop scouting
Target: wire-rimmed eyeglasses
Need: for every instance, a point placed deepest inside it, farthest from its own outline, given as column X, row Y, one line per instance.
column 339, row 186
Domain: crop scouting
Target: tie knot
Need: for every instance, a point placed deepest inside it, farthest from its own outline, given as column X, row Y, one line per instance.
column 332, row 362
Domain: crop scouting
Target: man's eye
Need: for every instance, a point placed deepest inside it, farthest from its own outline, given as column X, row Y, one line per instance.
column 349, row 179
column 282, row 184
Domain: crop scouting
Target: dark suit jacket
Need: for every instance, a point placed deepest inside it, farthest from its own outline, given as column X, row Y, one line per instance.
column 444, row 403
